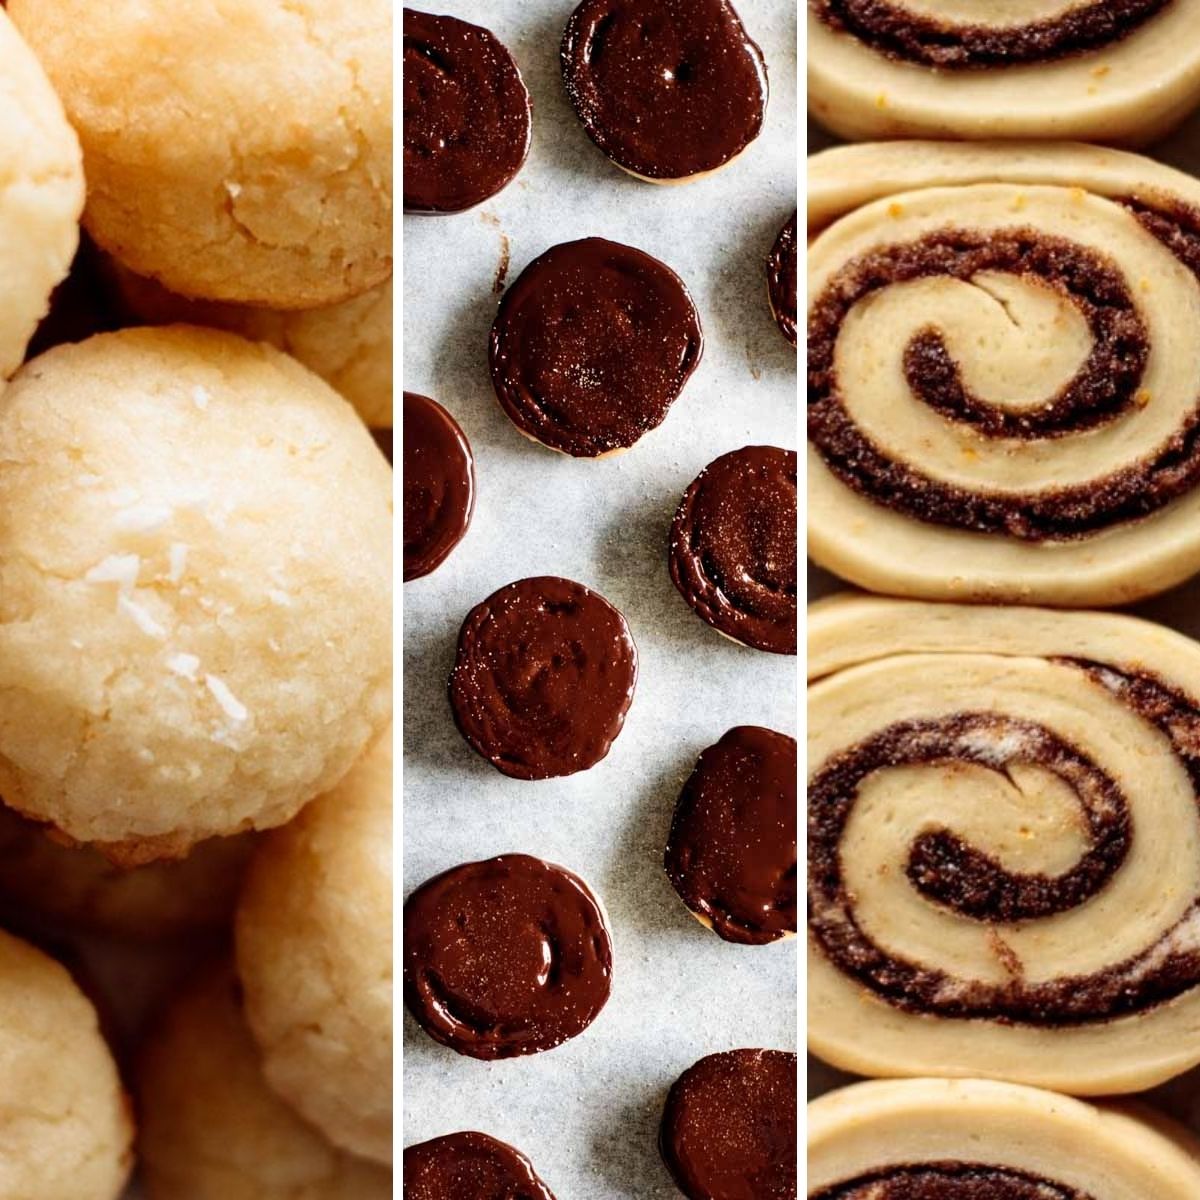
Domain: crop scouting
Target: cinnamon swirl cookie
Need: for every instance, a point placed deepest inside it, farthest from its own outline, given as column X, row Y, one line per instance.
column 971, row 1139
column 1003, row 843
column 1114, row 70
column 1004, row 371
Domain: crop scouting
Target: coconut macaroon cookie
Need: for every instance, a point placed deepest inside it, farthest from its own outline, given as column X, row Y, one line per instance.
column 782, row 280
column 543, row 678
column 592, row 345
column 314, row 954
column 976, row 1139
column 470, row 1166
column 729, row 1127
column 211, row 1127
column 41, row 197
column 1107, row 70
column 467, row 122
column 669, row 89
column 195, row 589
column 239, row 154
column 731, row 853
column 505, row 957
column 732, row 548
column 67, row 1131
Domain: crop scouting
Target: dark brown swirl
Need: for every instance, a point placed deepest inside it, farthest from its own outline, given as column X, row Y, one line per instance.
column 913, row 37
column 782, row 279
column 950, row 1181
column 470, row 1166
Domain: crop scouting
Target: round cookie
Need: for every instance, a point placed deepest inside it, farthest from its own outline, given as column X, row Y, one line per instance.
column 470, row 1166
column 467, row 121
column 731, row 853
column 76, row 887
column 232, row 153
column 67, row 1131
column 41, row 198
column 669, row 89
column 211, row 1127
column 505, row 957
column 732, row 549
column 314, row 953
column 729, row 1127
column 592, row 345
column 195, row 589
column 544, row 675
column 782, row 276
column 439, row 485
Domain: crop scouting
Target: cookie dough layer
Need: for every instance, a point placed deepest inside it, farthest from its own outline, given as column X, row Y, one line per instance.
column 1004, row 844
column 981, row 1140
column 41, row 195
column 1004, row 348
column 1122, row 71
column 233, row 151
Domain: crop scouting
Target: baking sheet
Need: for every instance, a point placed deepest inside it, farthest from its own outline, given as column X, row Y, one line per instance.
column 586, row 1113
column 1179, row 608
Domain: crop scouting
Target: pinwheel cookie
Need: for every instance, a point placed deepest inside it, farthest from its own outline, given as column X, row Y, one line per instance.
column 1004, row 371
column 1003, row 844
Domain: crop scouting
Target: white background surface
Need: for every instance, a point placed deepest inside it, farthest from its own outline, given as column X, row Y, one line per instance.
column 587, row 1112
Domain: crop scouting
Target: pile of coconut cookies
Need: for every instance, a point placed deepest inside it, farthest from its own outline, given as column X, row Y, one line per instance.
column 195, row 599
column 591, row 350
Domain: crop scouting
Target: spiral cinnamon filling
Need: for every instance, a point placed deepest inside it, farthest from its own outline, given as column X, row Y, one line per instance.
column 956, row 876
column 950, row 1181
column 913, row 37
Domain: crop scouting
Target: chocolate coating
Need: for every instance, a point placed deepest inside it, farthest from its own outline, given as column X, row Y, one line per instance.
column 731, row 854
column 592, row 345
column 950, row 1181
column 504, row 957
column 543, row 679
column 666, row 88
column 781, row 280
column 439, row 485
column 466, row 114
column 732, row 550
column 729, row 1127
column 470, row 1166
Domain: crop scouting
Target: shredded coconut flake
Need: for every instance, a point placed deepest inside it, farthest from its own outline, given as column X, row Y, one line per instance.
column 232, row 707
column 183, row 664
column 142, row 518
column 201, row 396
column 141, row 618
column 280, row 597
column 121, row 569
column 178, row 560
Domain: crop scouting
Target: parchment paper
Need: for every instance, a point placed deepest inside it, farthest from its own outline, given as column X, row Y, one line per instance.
column 587, row 1112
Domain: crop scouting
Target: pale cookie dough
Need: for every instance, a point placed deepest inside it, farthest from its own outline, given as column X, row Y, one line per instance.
column 76, row 887
column 41, row 195
column 195, row 589
column 1004, row 371
column 237, row 150
column 1090, row 69
column 211, row 1128
column 991, row 1141
column 314, row 951
column 348, row 344
column 1004, row 844
column 65, row 1130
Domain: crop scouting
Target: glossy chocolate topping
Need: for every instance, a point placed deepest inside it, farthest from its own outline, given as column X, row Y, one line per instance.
column 781, row 279
column 729, row 1127
column 956, row 876
column 950, row 1181
column 505, row 957
column 466, row 114
column 470, row 1166
column 666, row 88
column 731, row 854
column 918, row 38
column 732, row 550
column 439, row 485
column 545, row 673
column 592, row 345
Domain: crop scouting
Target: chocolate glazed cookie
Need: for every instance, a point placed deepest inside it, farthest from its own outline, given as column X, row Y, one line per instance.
column 729, row 1127
column 781, row 280
column 505, row 957
column 668, row 89
column 544, row 675
column 732, row 550
column 731, row 854
column 592, row 345
column 439, row 485
column 466, row 114
column 470, row 1166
